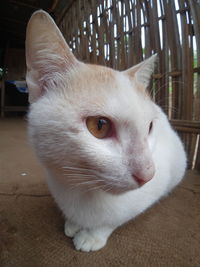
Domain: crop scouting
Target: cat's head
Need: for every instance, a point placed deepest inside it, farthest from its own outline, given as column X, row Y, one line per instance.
column 94, row 124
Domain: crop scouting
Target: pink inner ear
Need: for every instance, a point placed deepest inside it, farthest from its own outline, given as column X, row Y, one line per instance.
column 47, row 54
column 142, row 72
column 51, row 62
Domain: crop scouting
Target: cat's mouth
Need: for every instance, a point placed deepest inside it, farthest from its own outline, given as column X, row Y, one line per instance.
column 116, row 190
column 121, row 185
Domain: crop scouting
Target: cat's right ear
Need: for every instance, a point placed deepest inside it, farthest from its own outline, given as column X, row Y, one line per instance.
column 143, row 71
column 47, row 54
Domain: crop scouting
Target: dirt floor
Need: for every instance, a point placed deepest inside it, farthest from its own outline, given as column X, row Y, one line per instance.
column 31, row 226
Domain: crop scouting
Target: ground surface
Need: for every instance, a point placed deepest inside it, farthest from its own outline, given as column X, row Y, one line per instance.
column 31, row 226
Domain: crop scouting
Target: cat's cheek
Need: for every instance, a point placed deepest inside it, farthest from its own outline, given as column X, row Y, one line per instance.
column 151, row 142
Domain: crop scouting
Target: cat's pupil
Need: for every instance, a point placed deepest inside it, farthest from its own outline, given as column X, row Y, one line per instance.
column 150, row 126
column 100, row 124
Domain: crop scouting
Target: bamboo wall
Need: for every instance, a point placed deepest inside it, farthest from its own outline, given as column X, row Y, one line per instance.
column 120, row 34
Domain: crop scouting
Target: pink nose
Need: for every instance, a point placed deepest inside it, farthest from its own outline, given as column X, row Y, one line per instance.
column 142, row 177
column 140, row 180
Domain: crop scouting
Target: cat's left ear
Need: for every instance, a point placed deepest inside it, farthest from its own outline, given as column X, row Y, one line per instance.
column 48, row 56
column 142, row 72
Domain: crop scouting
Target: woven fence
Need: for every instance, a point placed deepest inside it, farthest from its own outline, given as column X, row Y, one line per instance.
column 120, row 34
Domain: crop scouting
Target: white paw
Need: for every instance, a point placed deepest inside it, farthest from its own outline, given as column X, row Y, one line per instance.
column 71, row 229
column 87, row 240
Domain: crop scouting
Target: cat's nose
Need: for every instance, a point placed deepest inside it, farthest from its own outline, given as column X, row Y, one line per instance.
column 144, row 176
column 140, row 181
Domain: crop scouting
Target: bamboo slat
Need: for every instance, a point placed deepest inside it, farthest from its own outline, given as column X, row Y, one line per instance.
column 197, row 163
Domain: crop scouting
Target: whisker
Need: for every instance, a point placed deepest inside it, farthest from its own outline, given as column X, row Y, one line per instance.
column 74, row 183
column 155, row 90
column 95, row 188
column 86, row 181
column 79, row 175
column 79, row 185
column 92, row 181
column 77, row 169
column 108, row 189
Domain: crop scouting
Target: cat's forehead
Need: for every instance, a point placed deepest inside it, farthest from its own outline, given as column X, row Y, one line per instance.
column 92, row 84
column 102, row 81
column 94, row 77
column 103, row 91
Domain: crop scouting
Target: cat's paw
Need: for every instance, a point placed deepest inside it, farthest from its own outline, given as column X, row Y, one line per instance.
column 70, row 229
column 87, row 240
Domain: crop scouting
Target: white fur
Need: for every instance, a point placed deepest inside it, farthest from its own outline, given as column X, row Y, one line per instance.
column 91, row 179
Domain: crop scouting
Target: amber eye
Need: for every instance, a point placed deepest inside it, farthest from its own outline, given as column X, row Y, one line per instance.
column 100, row 127
column 150, row 127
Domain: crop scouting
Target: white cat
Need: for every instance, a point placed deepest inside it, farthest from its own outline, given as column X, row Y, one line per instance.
column 109, row 151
